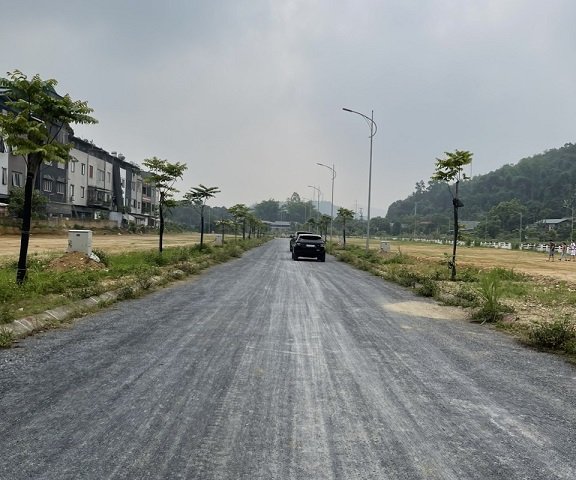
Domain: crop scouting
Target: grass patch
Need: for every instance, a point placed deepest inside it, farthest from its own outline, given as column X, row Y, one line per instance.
column 6, row 338
column 560, row 335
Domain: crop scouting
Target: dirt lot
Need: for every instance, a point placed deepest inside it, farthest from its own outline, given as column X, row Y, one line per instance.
column 42, row 244
column 529, row 262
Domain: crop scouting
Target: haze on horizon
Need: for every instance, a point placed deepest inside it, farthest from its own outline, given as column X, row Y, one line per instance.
column 250, row 92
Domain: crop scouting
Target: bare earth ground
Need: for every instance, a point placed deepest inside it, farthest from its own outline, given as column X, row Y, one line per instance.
column 42, row 244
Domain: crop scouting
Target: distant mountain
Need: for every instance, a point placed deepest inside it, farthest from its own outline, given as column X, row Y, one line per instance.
column 543, row 185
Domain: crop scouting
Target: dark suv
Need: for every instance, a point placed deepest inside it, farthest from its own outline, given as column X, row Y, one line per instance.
column 295, row 236
column 309, row 245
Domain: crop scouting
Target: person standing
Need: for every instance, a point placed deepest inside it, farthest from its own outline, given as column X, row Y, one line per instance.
column 572, row 251
column 551, row 248
column 563, row 250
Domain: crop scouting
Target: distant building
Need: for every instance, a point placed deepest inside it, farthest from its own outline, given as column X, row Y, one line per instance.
column 553, row 223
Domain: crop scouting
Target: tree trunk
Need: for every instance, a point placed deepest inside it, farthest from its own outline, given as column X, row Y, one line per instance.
column 344, row 237
column 26, row 219
column 161, row 221
column 201, row 227
column 456, row 203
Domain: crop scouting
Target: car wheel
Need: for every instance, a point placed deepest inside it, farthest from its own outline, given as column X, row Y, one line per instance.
column 322, row 258
column 294, row 257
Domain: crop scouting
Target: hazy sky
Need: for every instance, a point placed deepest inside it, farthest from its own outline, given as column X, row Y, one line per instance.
column 249, row 93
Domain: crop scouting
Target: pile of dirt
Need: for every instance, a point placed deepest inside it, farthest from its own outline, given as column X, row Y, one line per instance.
column 74, row 261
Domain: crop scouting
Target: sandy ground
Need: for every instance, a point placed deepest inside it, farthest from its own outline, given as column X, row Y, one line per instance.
column 41, row 244
column 532, row 263
column 529, row 262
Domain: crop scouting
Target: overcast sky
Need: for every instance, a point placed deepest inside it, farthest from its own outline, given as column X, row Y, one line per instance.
column 249, row 93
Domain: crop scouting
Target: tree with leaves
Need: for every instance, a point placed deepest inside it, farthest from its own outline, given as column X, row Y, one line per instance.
column 199, row 196
column 344, row 215
column 240, row 213
column 163, row 175
column 36, row 127
column 323, row 224
column 224, row 223
column 450, row 169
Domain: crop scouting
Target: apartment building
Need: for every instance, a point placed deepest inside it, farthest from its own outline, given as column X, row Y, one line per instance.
column 94, row 184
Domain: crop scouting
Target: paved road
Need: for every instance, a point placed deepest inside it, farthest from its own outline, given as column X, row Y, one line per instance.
column 266, row 368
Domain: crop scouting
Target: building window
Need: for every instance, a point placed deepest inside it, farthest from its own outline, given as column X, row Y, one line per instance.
column 4, row 176
column 109, row 178
column 47, row 185
column 82, row 192
column 16, row 179
column 134, row 203
column 83, row 168
column 60, row 188
column 91, row 171
column 100, row 175
column 72, row 166
column 71, row 193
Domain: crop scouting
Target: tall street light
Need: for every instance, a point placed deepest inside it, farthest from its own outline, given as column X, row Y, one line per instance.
column 373, row 128
column 332, row 200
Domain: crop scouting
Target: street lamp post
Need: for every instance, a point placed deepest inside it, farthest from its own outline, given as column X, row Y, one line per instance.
column 332, row 200
column 373, row 129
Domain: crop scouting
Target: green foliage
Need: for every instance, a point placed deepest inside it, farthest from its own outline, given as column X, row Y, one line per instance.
column 6, row 338
column 490, row 289
column 452, row 167
column 36, row 116
column 397, row 259
column 16, row 203
column 560, row 334
column 102, row 255
column 427, row 287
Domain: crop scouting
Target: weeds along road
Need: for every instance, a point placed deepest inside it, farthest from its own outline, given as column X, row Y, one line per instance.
column 266, row 368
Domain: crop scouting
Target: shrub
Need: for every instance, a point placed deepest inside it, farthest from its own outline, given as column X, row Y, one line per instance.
column 6, row 338
column 559, row 334
column 490, row 290
column 427, row 288
column 102, row 255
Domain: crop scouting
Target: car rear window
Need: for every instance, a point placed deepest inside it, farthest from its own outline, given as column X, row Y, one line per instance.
column 309, row 237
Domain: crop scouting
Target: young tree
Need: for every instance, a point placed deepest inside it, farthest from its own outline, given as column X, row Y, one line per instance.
column 240, row 213
column 223, row 224
column 163, row 175
column 450, row 169
column 199, row 196
column 344, row 215
column 35, row 126
column 323, row 224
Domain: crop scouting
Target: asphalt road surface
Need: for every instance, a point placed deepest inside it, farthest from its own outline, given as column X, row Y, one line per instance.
column 266, row 368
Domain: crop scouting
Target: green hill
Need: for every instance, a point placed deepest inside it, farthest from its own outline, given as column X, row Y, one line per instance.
column 538, row 187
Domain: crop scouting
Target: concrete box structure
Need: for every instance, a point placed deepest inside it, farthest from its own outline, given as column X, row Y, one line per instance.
column 80, row 241
column 384, row 246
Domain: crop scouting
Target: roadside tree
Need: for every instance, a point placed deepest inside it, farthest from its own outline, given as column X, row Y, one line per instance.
column 36, row 126
column 163, row 175
column 450, row 169
column 199, row 196
column 240, row 213
column 344, row 216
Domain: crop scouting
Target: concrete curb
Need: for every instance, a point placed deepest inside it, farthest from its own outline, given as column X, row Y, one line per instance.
column 25, row 326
